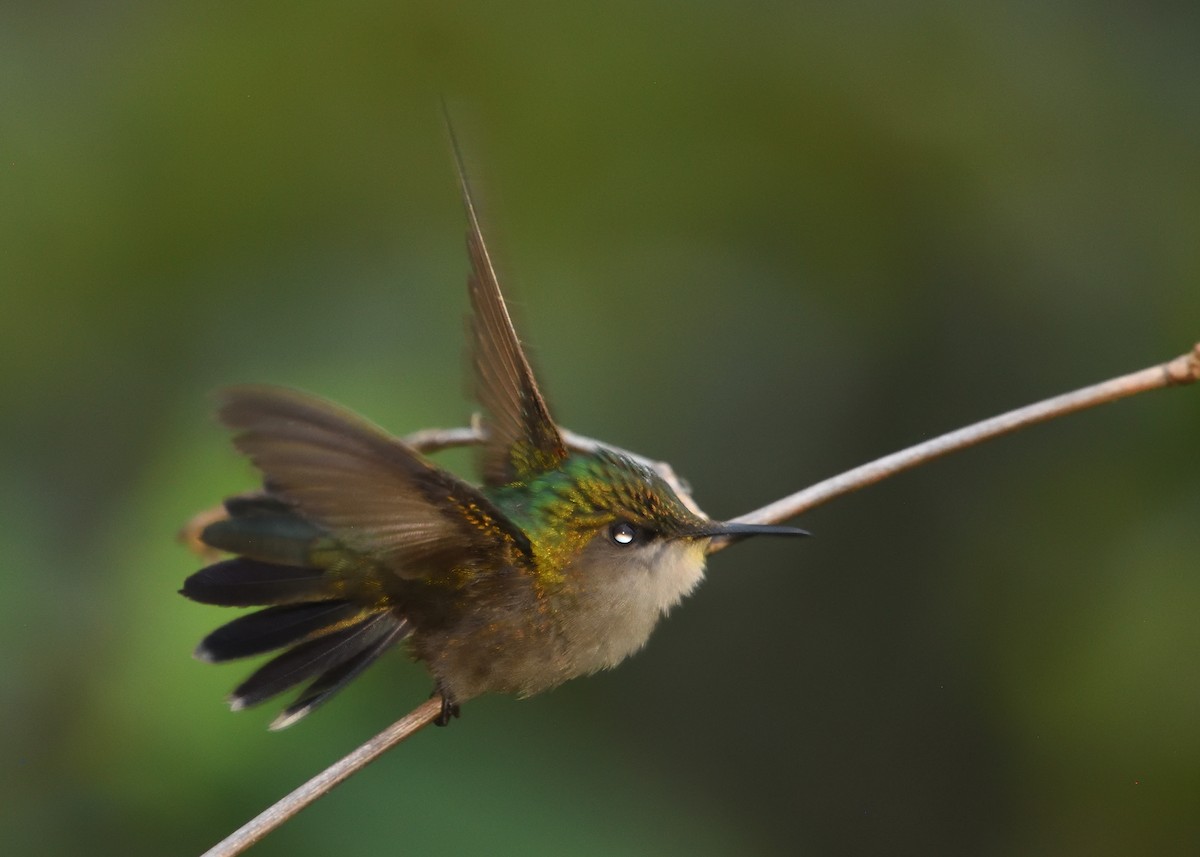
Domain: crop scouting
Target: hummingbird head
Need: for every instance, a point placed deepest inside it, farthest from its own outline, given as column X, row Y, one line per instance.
column 620, row 549
column 604, row 513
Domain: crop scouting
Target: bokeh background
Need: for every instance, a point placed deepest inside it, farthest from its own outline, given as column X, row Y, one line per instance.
column 766, row 242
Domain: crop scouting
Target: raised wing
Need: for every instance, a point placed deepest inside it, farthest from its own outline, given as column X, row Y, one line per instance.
column 374, row 494
column 522, row 438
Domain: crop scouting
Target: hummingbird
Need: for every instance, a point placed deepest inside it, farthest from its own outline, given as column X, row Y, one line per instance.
column 558, row 564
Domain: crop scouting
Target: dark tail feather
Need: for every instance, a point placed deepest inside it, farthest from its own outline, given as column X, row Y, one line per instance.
column 312, row 658
column 263, row 527
column 279, row 539
column 274, row 628
column 333, row 680
column 245, row 582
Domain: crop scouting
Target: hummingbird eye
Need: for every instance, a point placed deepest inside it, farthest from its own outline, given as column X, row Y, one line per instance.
column 623, row 533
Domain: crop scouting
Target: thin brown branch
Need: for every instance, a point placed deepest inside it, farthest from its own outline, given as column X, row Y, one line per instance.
column 1182, row 370
column 266, row 821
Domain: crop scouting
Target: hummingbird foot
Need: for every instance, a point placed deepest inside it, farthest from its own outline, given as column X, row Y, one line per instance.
column 450, row 708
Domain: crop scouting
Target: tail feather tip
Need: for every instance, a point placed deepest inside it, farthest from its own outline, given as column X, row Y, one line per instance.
column 287, row 718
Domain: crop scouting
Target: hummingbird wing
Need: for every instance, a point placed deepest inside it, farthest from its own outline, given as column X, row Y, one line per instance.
column 522, row 437
column 369, row 490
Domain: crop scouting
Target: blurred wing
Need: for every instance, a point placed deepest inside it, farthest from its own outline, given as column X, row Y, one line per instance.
column 523, row 439
column 367, row 489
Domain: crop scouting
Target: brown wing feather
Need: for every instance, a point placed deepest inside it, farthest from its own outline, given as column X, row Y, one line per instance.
column 374, row 494
column 523, row 438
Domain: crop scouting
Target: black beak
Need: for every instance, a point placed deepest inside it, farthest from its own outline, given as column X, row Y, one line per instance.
column 736, row 532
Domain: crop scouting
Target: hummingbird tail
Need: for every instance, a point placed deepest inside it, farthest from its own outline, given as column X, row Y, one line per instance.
column 327, row 638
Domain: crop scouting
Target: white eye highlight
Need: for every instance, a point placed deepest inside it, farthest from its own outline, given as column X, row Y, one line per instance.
column 622, row 533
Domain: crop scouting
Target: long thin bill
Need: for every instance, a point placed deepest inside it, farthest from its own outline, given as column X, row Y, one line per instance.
column 732, row 530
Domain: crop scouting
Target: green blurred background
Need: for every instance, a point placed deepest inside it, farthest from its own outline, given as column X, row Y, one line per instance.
column 766, row 242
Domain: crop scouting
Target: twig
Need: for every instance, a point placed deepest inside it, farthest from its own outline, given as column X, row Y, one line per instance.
column 1184, row 369
column 266, row 821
